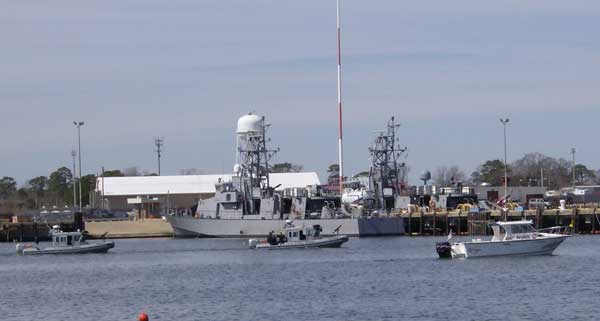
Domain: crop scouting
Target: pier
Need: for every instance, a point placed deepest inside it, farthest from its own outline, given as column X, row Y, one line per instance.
column 438, row 223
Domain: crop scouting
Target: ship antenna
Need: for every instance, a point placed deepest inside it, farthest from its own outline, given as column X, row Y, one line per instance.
column 339, row 94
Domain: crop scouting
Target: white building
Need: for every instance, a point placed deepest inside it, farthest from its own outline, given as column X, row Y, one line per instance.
column 153, row 194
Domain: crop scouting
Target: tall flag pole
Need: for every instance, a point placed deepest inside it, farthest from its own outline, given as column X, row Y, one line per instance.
column 339, row 92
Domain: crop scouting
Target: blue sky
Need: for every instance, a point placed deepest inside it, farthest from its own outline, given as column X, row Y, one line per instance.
column 186, row 70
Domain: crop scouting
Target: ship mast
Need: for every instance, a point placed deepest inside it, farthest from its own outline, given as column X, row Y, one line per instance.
column 254, row 156
column 383, row 176
column 339, row 94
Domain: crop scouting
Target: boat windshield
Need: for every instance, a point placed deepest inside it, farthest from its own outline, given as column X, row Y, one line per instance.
column 522, row 228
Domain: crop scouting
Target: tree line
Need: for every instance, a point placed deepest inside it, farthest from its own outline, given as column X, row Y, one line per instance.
column 533, row 169
column 56, row 189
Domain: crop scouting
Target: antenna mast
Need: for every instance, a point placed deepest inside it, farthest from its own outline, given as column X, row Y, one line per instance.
column 339, row 93
column 159, row 142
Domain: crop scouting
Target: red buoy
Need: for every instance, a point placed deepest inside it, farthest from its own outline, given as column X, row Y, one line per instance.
column 143, row 317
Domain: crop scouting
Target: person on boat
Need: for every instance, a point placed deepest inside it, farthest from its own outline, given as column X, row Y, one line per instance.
column 272, row 239
column 281, row 238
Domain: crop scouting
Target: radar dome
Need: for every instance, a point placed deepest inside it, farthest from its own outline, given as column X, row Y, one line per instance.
column 249, row 124
column 426, row 175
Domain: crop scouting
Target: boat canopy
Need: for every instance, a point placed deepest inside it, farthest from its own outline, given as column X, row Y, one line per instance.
column 505, row 230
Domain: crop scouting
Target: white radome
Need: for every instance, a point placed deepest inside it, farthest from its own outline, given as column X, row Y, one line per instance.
column 250, row 124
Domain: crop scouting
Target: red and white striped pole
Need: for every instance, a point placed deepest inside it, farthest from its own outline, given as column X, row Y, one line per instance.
column 339, row 92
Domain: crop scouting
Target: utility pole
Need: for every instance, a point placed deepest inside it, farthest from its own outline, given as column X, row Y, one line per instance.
column 73, row 154
column 504, row 122
column 102, row 196
column 573, row 151
column 159, row 142
column 78, row 124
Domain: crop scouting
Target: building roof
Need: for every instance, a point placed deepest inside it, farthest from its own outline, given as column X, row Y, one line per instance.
column 190, row 184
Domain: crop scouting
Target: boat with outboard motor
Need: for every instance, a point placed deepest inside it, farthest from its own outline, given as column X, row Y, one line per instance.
column 510, row 238
column 298, row 237
column 65, row 243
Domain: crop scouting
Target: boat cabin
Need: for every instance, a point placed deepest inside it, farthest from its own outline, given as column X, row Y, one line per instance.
column 302, row 233
column 64, row 239
column 517, row 230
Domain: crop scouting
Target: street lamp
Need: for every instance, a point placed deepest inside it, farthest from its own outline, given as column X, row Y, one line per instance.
column 73, row 154
column 573, row 150
column 504, row 122
column 78, row 124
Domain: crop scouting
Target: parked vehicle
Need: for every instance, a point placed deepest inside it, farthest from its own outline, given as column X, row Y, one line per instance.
column 538, row 203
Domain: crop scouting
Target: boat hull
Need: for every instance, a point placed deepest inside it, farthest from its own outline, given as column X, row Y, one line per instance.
column 540, row 246
column 330, row 242
column 83, row 249
column 189, row 226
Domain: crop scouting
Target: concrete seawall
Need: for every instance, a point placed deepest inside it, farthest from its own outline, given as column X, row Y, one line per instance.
column 130, row 229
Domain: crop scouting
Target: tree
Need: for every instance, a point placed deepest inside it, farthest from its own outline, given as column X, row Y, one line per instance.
column 190, row 171
column 113, row 173
column 8, row 187
column 131, row 171
column 286, row 168
column 38, row 184
column 447, row 176
column 60, row 180
column 492, row 172
column 583, row 175
column 88, row 184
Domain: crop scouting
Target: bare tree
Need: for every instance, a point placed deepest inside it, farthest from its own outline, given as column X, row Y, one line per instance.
column 446, row 176
column 131, row 171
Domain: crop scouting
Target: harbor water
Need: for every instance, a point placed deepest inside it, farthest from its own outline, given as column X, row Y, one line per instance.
column 388, row 278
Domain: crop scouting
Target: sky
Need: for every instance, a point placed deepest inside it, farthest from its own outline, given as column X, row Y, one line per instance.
column 186, row 70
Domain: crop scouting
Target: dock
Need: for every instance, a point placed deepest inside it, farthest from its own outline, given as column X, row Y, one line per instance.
column 437, row 223
column 32, row 231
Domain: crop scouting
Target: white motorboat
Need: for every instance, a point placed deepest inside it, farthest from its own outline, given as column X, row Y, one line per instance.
column 298, row 237
column 66, row 243
column 510, row 238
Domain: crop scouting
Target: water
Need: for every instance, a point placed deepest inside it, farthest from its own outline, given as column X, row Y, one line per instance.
column 396, row 278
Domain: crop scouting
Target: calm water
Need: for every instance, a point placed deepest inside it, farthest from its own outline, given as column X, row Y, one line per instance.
column 396, row 278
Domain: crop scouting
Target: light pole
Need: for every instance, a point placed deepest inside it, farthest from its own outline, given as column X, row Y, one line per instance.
column 573, row 150
column 73, row 154
column 78, row 124
column 504, row 122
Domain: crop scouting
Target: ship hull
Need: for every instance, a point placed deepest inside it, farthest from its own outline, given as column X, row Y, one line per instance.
column 189, row 226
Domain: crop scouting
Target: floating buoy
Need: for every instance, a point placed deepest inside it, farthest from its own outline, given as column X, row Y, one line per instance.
column 143, row 317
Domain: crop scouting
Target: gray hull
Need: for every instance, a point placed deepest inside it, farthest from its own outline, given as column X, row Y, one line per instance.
column 333, row 242
column 188, row 226
column 92, row 248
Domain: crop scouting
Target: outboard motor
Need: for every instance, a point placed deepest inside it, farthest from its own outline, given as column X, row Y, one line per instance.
column 444, row 250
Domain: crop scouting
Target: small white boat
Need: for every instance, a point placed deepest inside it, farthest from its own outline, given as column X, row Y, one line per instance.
column 298, row 237
column 66, row 243
column 510, row 238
